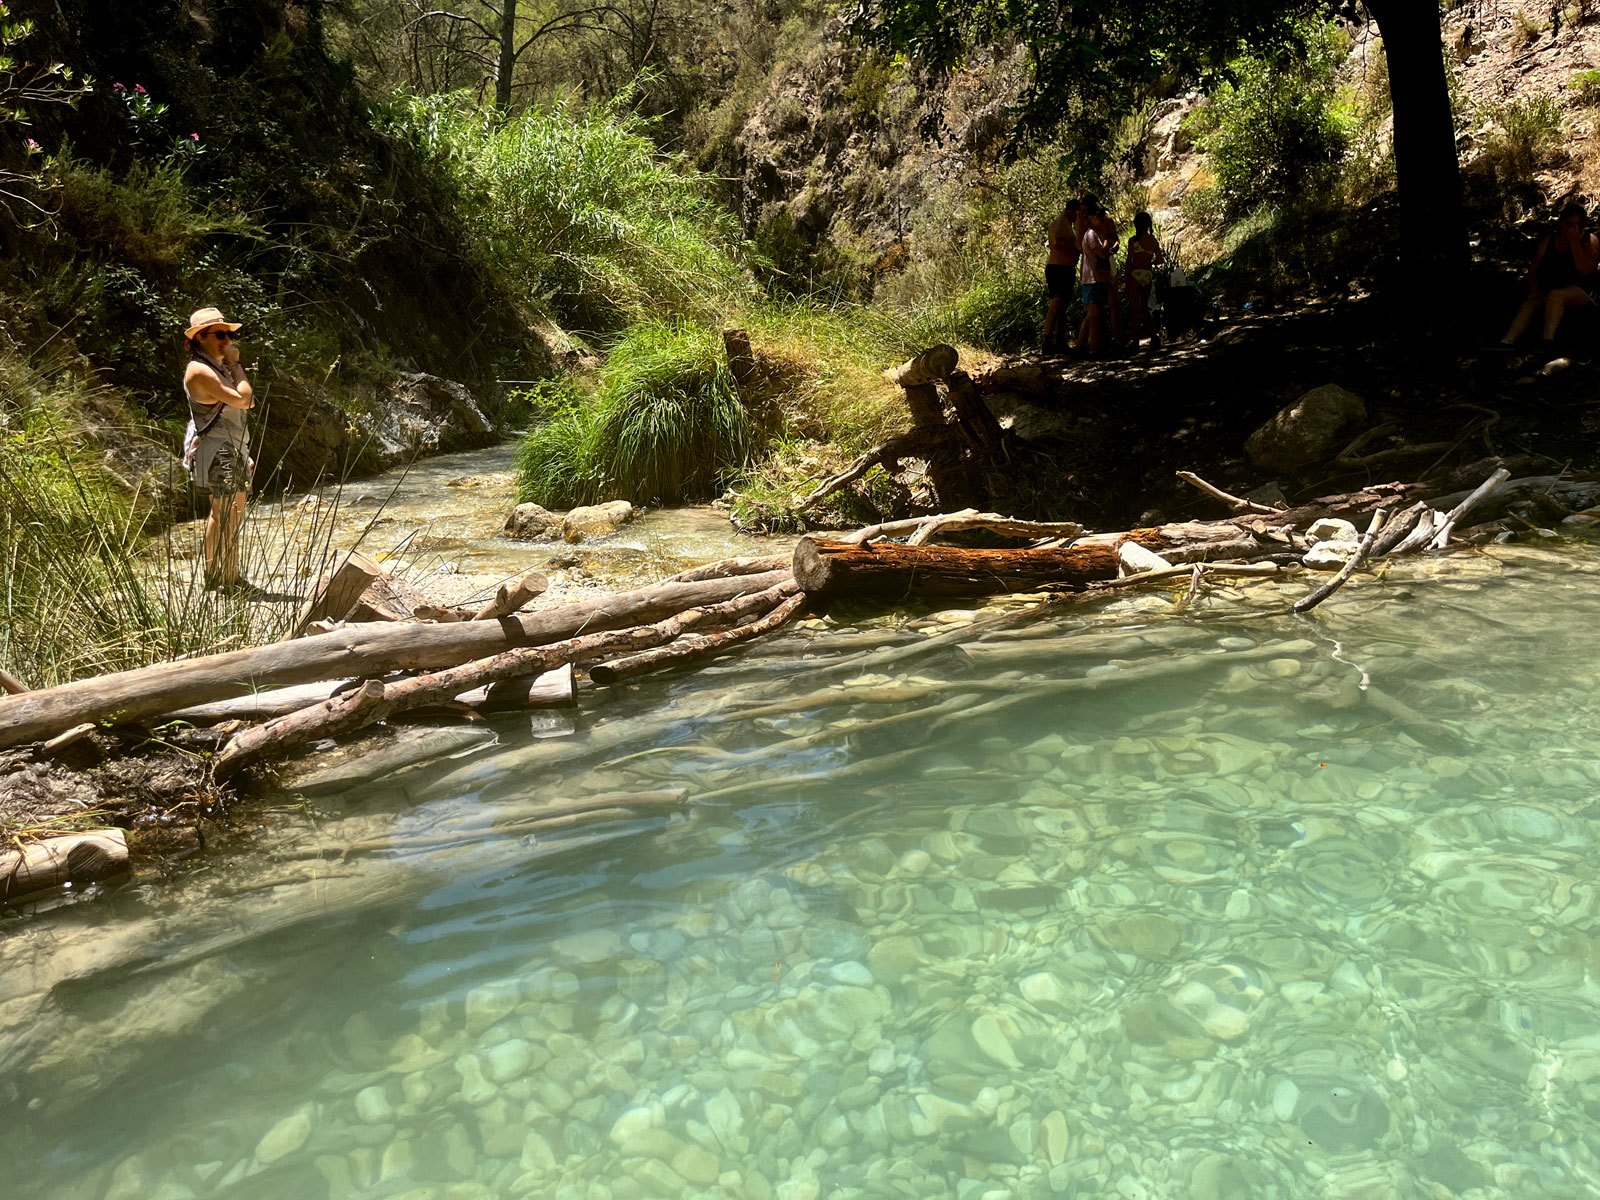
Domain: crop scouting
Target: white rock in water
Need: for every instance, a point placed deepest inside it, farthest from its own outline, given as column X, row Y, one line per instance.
column 475, row 1089
column 508, row 1060
column 1330, row 556
column 1134, row 559
column 1054, row 1129
column 1285, row 1099
column 591, row 946
column 490, row 1003
column 696, row 1165
column 1332, row 529
column 372, row 1105
column 853, row 973
column 991, row 1039
column 1045, row 990
column 634, row 1122
column 287, row 1136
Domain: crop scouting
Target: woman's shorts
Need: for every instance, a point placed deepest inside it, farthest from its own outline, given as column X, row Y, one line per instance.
column 221, row 468
column 1095, row 293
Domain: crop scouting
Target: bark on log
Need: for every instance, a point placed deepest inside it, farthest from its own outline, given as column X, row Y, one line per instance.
column 71, row 858
column 828, row 569
column 337, row 591
column 925, row 529
column 387, row 599
column 727, row 568
column 930, row 366
column 977, row 422
column 690, row 650
column 363, row 649
column 372, row 701
column 510, row 598
column 925, row 405
column 551, row 689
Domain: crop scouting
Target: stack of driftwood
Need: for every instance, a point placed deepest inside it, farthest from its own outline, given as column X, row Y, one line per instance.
column 371, row 650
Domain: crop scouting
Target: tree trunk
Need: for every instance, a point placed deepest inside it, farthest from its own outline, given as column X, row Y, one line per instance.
column 507, row 59
column 1433, row 229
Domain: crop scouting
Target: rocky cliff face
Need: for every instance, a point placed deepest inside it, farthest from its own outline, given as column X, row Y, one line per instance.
column 831, row 159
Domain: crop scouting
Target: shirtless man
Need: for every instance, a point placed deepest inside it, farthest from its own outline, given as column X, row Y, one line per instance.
column 1059, row 269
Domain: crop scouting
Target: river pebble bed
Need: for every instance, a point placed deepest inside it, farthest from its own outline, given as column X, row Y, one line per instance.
column 1124, row 902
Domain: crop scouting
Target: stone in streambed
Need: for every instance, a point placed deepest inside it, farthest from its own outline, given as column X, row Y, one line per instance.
column 287, row 1136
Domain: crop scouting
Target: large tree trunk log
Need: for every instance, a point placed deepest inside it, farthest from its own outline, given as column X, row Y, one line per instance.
column 926, row 407
column 361, row 649
column 830, row 568
column 373, row 701
column 71, row 858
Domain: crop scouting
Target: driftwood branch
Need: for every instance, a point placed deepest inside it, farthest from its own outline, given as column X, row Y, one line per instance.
column 1236, row 503
column 70, row 858
column 694, row 649
column 1308, row 602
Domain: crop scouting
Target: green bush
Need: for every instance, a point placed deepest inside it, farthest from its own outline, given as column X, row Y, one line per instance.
column 1276, row 134
column 1523, row 135
column 665, row 425
column 1001, row 310
column 1586, row 86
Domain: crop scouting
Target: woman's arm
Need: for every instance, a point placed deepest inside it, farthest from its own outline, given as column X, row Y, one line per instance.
column 204, row 385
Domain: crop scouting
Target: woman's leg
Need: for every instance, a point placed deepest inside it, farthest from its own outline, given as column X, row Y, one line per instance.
column 1524, row 318
column 1556, row 305
column 1135, row 312
column 216, row 522
column 233, row 520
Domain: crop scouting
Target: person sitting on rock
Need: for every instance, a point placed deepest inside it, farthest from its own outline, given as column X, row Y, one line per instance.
column 1562, row 276
column 1062, row 237
column 1144, row 255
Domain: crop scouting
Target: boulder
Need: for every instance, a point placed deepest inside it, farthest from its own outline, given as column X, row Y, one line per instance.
column 1332, row 554
column 1134, row 559
column 1305, row 431
column 596, row 520
column 1333, row 529
column 425, row 414
column 532, row 523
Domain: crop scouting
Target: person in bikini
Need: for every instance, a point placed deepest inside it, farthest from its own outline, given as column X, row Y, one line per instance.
column 1562, row 276
column 216, row 446
column 1094, row 274
column 1059, row 267
column 1144, row 255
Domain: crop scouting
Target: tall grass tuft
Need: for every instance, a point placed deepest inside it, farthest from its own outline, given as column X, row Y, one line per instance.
column 582, row 210
column 666, row 425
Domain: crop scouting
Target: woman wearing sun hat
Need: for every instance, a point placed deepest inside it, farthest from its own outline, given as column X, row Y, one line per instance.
column 216, row 447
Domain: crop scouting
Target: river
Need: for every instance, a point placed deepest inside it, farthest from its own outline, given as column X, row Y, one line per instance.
column 1123, row 902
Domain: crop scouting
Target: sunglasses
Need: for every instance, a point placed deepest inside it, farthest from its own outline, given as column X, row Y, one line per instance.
column 222, row 335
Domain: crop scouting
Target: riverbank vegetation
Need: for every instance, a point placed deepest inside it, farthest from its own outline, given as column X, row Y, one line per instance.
column 570, row 233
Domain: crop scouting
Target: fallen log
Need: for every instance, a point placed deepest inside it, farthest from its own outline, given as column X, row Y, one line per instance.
column 349, row 650
column 373, row 701
column 71, row 858
column 387, row 599
column 510, row 598
column 10, row 684
column 551, row 689
column 925, row 529
column 337, row 591
column 831, row 568
column 728, row 567
column 689, row 650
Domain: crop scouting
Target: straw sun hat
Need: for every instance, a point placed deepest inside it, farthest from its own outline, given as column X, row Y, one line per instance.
column 206, row 318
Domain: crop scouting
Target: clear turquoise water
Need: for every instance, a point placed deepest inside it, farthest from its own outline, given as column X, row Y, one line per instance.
column 1128, row 904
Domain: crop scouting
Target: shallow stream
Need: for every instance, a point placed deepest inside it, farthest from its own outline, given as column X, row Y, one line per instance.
column 1122, row 902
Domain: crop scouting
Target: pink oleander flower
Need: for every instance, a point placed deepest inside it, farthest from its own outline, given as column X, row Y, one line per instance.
column 33, row 146
column 139, row 88
column 194, row 137
column 117, row 87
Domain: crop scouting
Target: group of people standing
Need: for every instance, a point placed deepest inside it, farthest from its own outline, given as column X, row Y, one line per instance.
column 1083, row 245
